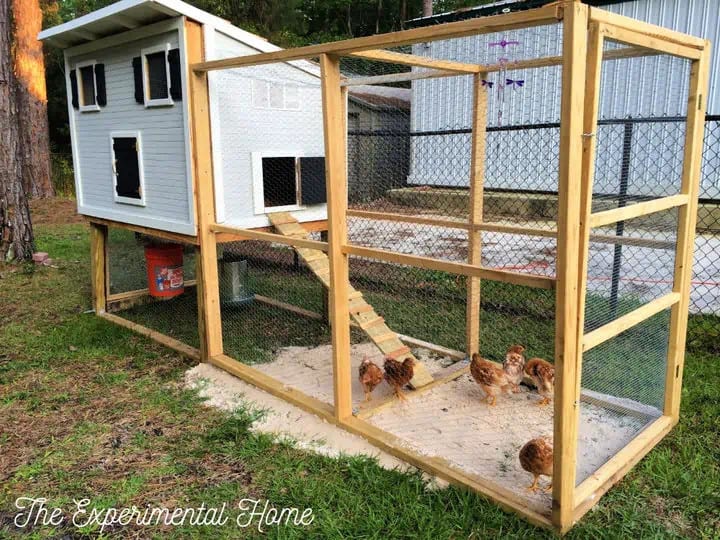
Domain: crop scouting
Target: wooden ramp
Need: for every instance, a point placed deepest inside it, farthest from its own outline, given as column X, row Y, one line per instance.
column 360, row 311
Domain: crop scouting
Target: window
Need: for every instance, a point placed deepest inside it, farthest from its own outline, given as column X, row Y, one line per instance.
column 87, row 85
column 156, row 76
column 287, row 182
column 272, row 95
column 127, row 168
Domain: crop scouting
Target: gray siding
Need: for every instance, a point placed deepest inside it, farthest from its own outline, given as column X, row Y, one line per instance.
column 647, row 87
column 168, row 199
column 240, row 128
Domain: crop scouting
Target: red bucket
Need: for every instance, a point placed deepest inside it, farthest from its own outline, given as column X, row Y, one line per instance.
column 164, row 270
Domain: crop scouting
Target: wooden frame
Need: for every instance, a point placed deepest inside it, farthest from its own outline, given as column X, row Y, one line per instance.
column 584, row 32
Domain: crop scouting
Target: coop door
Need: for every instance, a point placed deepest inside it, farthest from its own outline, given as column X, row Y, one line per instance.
column 127, row 169
column 312, row 180
column 279, row 176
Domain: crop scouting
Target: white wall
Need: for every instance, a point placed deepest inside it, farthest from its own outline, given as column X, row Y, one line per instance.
column 167, row 194
column 239, row 128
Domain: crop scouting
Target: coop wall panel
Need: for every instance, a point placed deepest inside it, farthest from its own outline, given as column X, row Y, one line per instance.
column 245, row 121
column 643, row 87
column 168, row 199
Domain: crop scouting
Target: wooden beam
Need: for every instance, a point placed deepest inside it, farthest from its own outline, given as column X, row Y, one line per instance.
column 687, row 222
column 334, row 129
column 596, row 485
column 621, row 324
column 565, row 420
column 253, row 234
column 167, row 341
column 504, row 276
column 647, row 29
column 126, row 300
column 624, row 213
column 631, row 37
column 288, row 307
column 99, row 266
column 209, row 319
column 477, row 179
column 392, row 57
column 157, row 233
column 484, row 25
column 319, row 225
column 400, row 77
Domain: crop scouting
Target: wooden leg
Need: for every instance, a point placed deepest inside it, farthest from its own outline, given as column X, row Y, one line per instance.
column 98, row 259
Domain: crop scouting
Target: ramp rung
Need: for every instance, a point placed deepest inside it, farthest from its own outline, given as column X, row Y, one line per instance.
column 371, row 323
column 398, row 352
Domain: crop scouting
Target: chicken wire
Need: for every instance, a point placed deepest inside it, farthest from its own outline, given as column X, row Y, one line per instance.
column 176, row 317
column 632, row 262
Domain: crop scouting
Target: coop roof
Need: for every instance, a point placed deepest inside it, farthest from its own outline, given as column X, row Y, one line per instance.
column 381, row 97
column 493, row 8
column 128, row 14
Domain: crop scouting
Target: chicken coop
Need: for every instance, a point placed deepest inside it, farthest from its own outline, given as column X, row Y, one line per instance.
column 397, row 269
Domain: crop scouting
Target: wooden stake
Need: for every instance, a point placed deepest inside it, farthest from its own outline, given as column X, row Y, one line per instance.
column 575, row 24
column 99, row 266
column 334, row 124
column 477, row 179
column 687, row 221
column 209, row 320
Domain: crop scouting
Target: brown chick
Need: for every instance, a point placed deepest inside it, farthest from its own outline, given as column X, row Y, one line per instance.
column 536, row 457
column 543, row 375
column 514, row 365
column 370, row 376
column 398, row 374
column 490, row 377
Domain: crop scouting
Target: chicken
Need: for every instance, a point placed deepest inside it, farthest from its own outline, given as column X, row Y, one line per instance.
column 536, row 457
column 543, row 375
column 370, row 376
column 491, row 378
column 398, row 374
column 514, row 365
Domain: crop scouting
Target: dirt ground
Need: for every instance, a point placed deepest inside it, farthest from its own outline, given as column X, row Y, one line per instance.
column 55, row 211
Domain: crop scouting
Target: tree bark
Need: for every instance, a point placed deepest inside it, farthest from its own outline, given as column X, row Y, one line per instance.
column 427, row 8
column 16, row 235
column 31, row 98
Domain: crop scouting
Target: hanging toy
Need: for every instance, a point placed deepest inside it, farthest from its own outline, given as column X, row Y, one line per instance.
column 503, row 81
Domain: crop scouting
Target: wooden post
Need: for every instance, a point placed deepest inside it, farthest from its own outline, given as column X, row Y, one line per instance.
column 575, row 24
column 99, row 266
column 334, row 124
column 477, row 178
column 209, row 319
column 687, row 221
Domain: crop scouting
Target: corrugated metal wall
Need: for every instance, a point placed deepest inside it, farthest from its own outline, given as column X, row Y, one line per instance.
column 638, row 88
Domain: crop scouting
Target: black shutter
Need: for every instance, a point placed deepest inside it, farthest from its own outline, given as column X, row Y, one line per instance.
column 74, row 90
column 137, row 71
column 100, row 85
column 173, row 59
column 127, row 170
column 312, row 180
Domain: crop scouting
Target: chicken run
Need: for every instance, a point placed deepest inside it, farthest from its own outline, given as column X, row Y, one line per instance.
column 503, row 370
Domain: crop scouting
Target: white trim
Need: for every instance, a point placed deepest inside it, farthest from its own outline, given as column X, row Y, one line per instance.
column 187, row 118
column 138, row 141
column 259, row 185
column 73, row 136
column 124, row 38
column 81, row 93
column 160, row 102
column 215, row 135
column 161, row 224
column 311, row 213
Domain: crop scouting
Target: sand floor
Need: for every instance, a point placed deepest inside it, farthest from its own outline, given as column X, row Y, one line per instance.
column 450, row 421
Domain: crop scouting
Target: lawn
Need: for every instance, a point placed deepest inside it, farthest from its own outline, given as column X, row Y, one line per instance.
column 92, row 410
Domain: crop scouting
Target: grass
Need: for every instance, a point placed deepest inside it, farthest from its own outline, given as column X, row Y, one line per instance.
column 92, row 410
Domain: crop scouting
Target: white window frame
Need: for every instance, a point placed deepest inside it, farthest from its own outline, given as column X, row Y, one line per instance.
column 78, row 77
column 259, row 185
column 138, row 138
column 162, row 102
column 283, row 87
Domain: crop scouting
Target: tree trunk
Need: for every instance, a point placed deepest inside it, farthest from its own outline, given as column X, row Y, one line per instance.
column 427, row 8
column 16, row 235
column 31, row 98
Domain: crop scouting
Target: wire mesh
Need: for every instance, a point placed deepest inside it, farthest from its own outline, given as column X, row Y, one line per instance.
column 632, row 262
column 129, row 296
